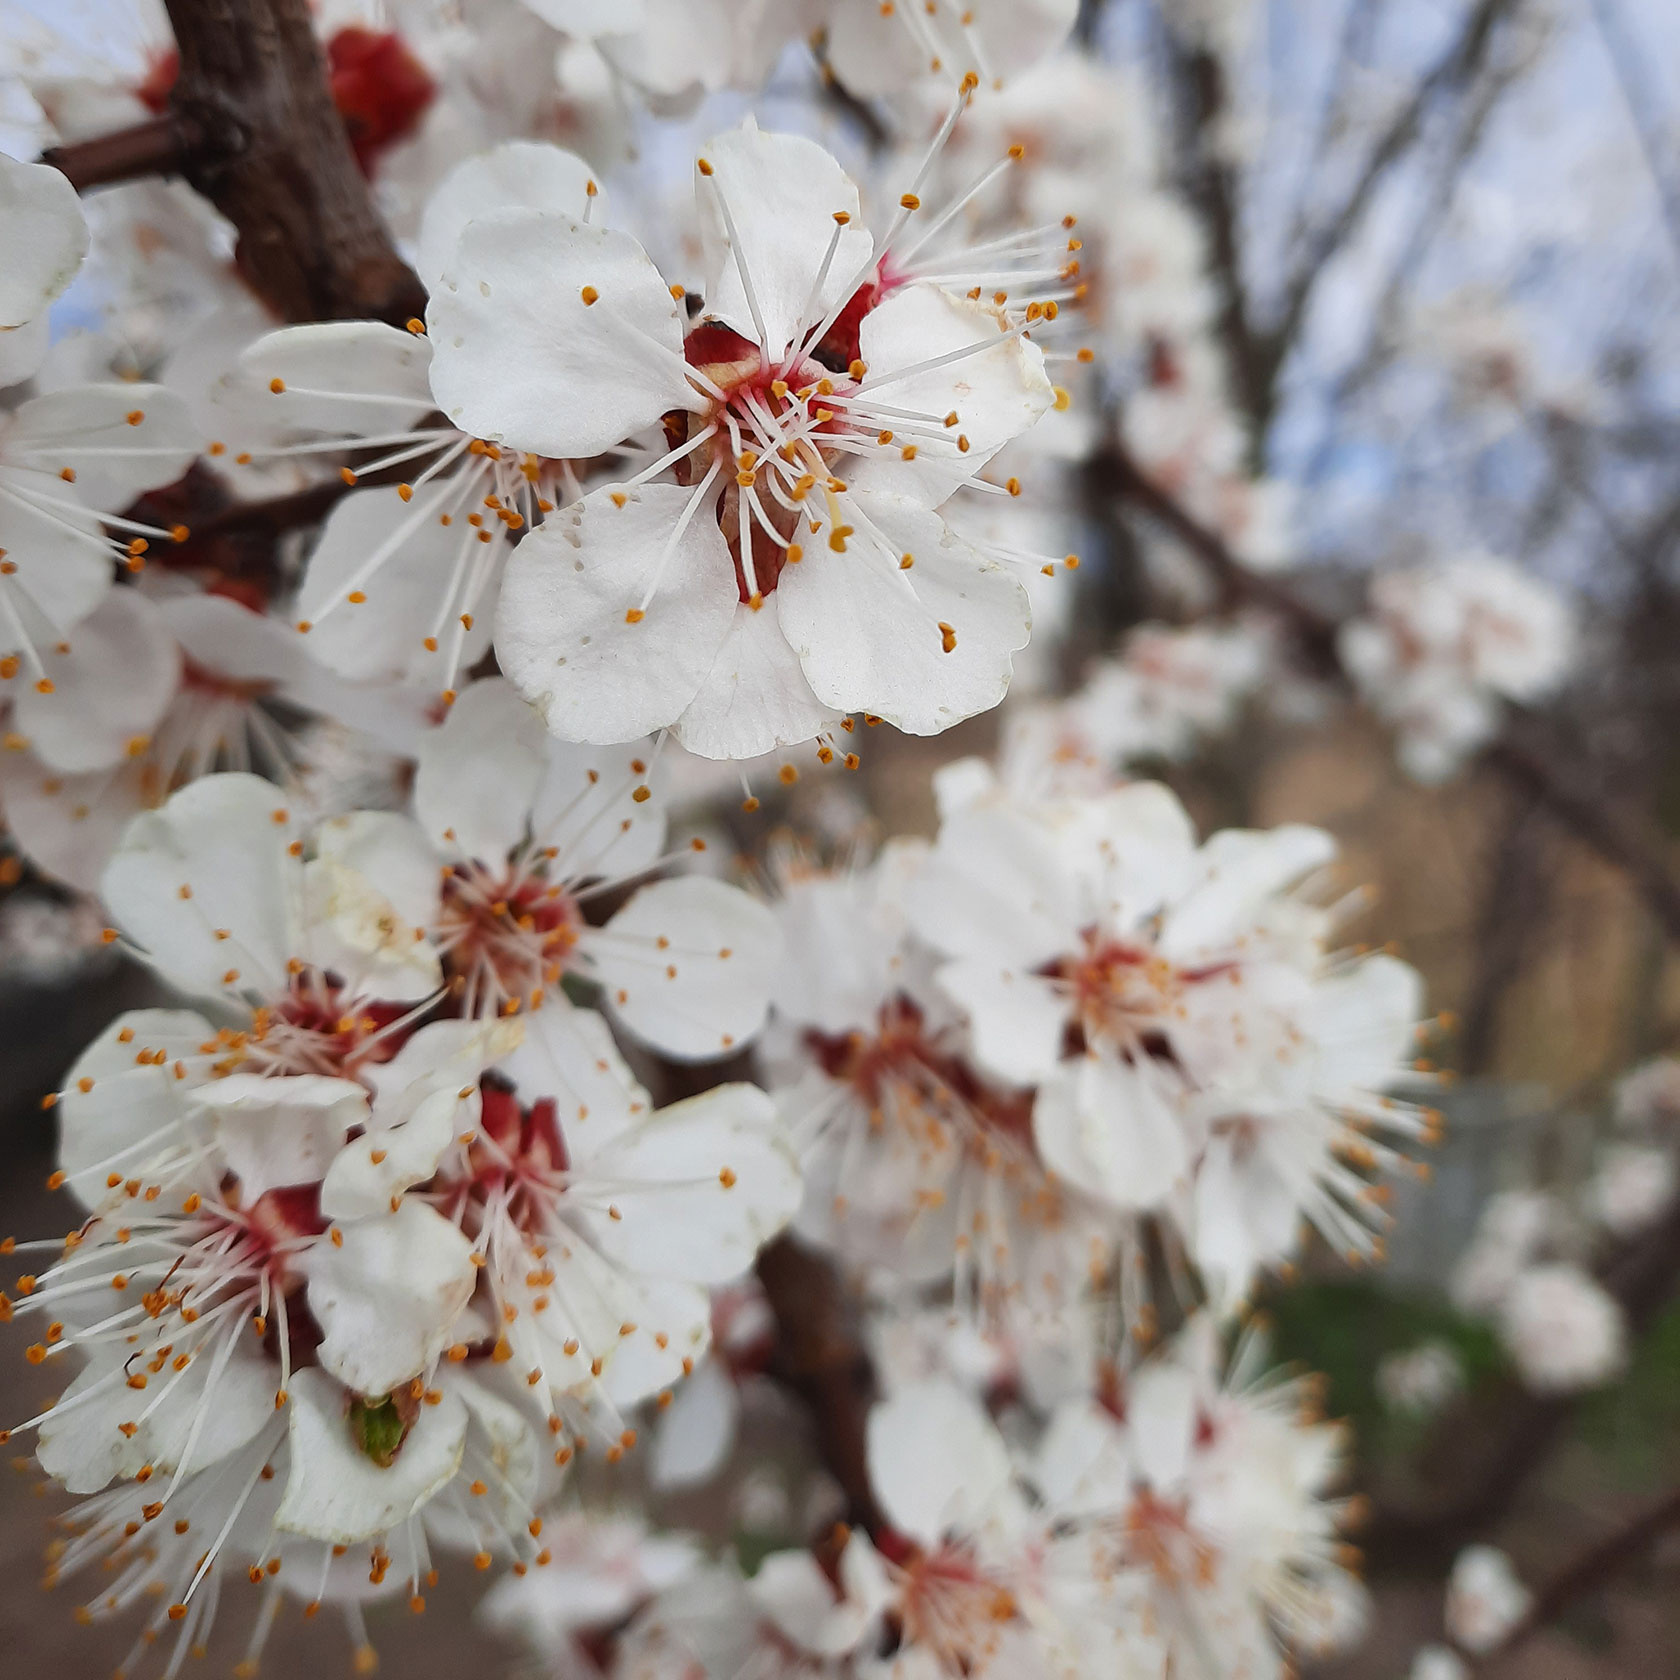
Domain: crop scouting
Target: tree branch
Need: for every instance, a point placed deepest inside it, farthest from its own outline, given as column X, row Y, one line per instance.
column 820, row 1356
column 1484, row 1448
column 1523, row 754
column 1213, row 190
column 166, row 145
column 1455, row 69
column 274, row 159
column 1596, row 1565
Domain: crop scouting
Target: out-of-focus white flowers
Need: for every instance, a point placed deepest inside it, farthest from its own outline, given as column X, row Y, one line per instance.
column 1564, row 1331
column 1485, row 1598
column 1445, row 645
column 1633, row 1187
column 1648, row 1098
column 1436, row 1662
column 1419, row 1381
column 1513, row 1227
column 1068, row 1014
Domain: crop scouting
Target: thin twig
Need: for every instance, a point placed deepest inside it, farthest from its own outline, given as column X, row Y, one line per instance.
column 1456, row 68
column 161, row 146
column 1570, row 791
column 1599, row 1563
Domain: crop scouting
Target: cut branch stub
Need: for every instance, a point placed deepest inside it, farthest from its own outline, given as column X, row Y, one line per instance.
column 273, row 157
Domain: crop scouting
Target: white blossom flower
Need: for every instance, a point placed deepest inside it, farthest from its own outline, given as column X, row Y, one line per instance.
column 673, row 53
column 600, row 1221
column 1564, row 1330
column 916, row 1162
column 1436, row 1662
column 1196, row 1529
column 877, row 50
column 70, row 460
column 603, row 1569
column 46, row 240
column 1446, row 644
column 1632, row 1188
column 1649, row 1097
column 528, row 829
column 737, row 589
column 1190, row 1044
column 152, row 693
column 1515, row 1225
column 260, row 1390
column 1485, row 1598
column 1168, row 689
column 1418, row 1381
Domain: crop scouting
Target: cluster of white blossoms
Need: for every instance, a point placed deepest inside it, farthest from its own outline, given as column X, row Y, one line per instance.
column 1177, row 1521
column 1003, row 1053
column 384, row 1230
column 1445, row 646
column 1528, row 1270
column 351, row 673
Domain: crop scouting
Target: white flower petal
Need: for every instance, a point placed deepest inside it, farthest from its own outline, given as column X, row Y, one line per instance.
column 1241, row 871
column 335, row 1492
column 936, row 1462
column 371, row 890
column 372, row 1171
column 573, row 635
column 994, row 887
column 118, row 441
column 383, row 639
column 783, row 193
column 214, row 857
column 133, row 1101
column 568, row 1054
column 46, row 238
column 109, row 690
column 478, row 773
column 1017, row 1020
column 323, row 368
column 1103, row 1126
column 83, row 1445
column 699, row 1187
column 387, row 1297
column 997, row 393
column 511, row 331
column 275, row 1132
column 696, row 1432
column 755, row 698
column 1082, row 1466
column 63, row 566
column 523, row 174
column 68, row 826
column 686, row 966
column 601, row 809
column 872, row 634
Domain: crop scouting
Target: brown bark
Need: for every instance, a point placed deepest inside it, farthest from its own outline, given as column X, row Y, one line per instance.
column 273, row 157
column 820, row 1356
column 164, row 145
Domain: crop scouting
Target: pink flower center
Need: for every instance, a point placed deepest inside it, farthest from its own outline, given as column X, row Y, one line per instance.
column 505, row 934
